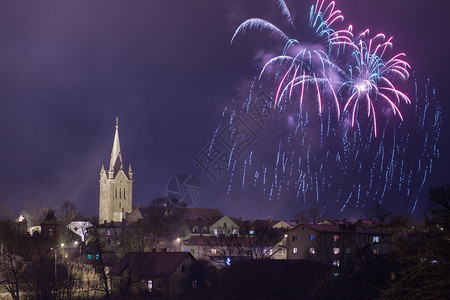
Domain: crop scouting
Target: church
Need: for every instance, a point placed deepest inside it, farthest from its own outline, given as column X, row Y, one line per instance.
column 116, row 196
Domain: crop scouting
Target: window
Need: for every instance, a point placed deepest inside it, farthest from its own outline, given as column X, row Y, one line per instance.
column 150, row 285
column 97, row 256
column 294, row 250
column 294, row 238
column 336, row 263
column 109, row 232
column 213, row 251
column 183, row 268
column 251, row 232
column 376, row 251
column 89, row 256
column 186, row 250
column 194, row 284
column 335, row 238
column 311, row 237
column 224, row 224
column 234, row 231
column 375, row 239
column 205, row 230
column 336, row 250
column 192, row 251
column 312, row 250
column 215, row 231
column 195, row 229
column 348, row 250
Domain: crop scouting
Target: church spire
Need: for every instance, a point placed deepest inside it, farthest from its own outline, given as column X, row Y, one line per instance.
column 116, row 162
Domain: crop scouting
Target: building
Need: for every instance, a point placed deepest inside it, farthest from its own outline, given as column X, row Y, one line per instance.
column 115, row 186
column 79, row 226
column 162, row 274
column 335, row 243
column 50, row 227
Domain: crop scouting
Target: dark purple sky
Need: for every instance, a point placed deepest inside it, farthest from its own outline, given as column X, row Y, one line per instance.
column 167, row 69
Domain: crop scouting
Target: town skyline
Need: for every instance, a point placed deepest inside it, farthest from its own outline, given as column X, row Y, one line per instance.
column 167, row 71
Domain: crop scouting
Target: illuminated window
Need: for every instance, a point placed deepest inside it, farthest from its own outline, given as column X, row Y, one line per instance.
column 251, row 232
column 186, row 250
column 150, row 285
column 336, row 263
column 335, row 274
column 294, row 250
column 213, row 251
column 312, row 250
column 215, row 231
column 89, row 256
column 294, row 238
column 335, row 238
column 194, row 284
column 376, row 251
column 271, row 252
column 234, row 231
column 109, row 232
column 375, row 239
column 311, row 237
column 336, row 250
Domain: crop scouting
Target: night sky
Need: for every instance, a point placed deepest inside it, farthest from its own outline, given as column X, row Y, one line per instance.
column 167, row 69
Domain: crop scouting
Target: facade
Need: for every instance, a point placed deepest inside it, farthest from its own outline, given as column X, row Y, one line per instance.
column 79, row 226
column 333, row 243
column 50, row 227
column 115, row 186
column 154, row 274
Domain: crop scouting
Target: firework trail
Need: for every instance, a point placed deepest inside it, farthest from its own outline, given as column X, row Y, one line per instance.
column 332, row 158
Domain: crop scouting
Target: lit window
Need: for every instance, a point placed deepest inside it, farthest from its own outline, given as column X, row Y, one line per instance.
column 336, row 250
column 271, row 252
column 213, row 251
column 186, row 250
column 194, row 284
column 215, row 231
column 335, row 274
column 89, row 256
column 335, row 238
column 294, row 250
column 294, row 238
column 150, row 285
column 312, row 250
column 251, row 232
column 97, row 256
column 311, row 237
column 336, row 263
column 109, row 232
column 375, row 239
column 376, row 251
column 234, row 231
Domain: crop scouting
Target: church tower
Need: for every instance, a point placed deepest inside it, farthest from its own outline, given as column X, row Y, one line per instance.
column 115, row 186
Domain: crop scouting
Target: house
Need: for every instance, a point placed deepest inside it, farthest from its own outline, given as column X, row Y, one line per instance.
column 165, row 274
column 218, row 225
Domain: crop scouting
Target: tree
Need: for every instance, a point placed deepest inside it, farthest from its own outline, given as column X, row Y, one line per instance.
column 312, row 215
column 420, row 268
column 161, row 222
column 13, row 260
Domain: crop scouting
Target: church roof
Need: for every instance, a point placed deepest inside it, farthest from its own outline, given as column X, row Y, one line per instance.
column 116, row 162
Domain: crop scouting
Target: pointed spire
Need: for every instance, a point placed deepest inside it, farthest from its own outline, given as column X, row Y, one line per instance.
column 102, row 169
column 130, row 172
column 116, row 162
